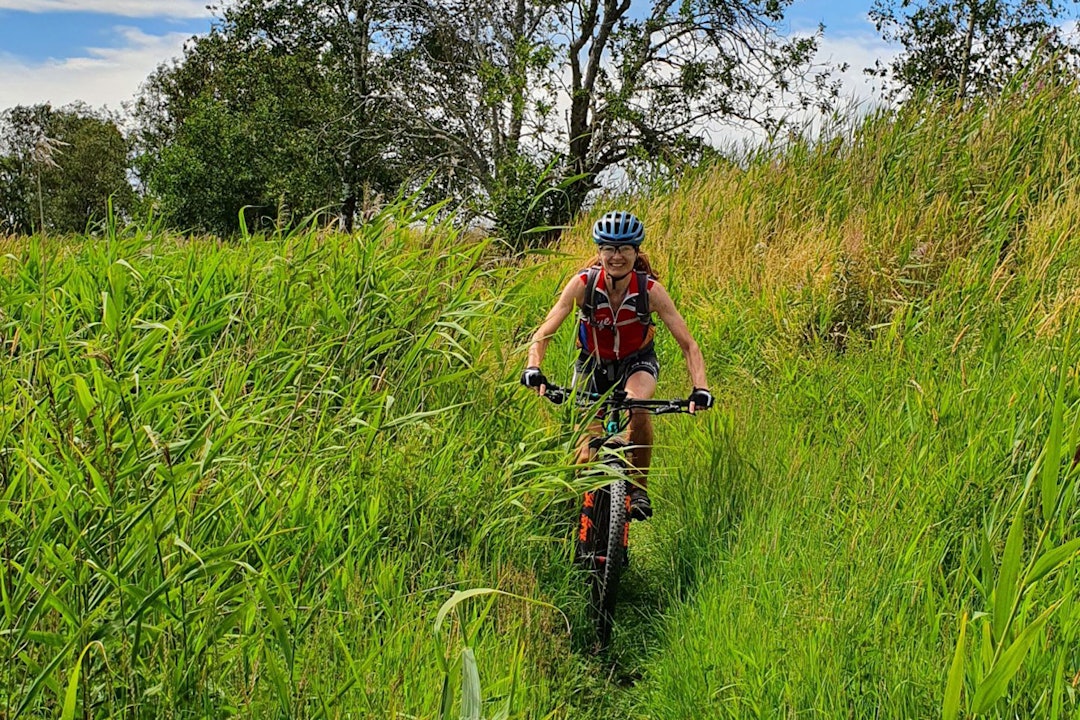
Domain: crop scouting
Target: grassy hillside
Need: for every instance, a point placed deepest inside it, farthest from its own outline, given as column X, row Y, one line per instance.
column 888, row 317
column 242, row 479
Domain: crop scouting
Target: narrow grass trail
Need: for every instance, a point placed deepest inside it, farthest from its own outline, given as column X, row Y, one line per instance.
column 647, row 602
column 686, row 541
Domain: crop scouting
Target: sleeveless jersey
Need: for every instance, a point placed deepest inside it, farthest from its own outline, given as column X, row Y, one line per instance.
column 614, row 334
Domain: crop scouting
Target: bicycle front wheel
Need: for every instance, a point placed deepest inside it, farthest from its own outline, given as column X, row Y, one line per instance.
column 603, row 540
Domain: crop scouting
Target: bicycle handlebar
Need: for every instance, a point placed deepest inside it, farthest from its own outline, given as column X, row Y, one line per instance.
column 616, row 401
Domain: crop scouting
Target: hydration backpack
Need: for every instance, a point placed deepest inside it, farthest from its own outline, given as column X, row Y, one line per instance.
column 588, row 309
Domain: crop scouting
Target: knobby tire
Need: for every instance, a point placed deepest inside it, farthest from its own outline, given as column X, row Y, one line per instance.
column 611, row 518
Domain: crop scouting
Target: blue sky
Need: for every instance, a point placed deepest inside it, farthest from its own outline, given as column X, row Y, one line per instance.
column 35, row 37
column 99, row 51
column 841, row 17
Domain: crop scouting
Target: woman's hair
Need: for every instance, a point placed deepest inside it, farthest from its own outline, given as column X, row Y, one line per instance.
column 642, row 263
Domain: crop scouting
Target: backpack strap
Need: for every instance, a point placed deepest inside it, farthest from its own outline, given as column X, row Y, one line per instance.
column 588, row 308
column 643, row 313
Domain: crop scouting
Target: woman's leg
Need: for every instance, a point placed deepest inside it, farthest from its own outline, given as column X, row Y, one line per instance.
column 585, row 453
column 640, row 385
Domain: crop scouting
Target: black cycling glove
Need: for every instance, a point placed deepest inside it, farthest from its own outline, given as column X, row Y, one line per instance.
column 701, row 398
column 532, row 377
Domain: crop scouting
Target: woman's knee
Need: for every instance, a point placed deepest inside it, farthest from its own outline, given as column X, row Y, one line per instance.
column 584, row 453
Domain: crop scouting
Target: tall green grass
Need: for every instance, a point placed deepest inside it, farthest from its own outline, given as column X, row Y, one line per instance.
column 891, row 529
column 876, row 504
column 241, row 478
column 247, row 478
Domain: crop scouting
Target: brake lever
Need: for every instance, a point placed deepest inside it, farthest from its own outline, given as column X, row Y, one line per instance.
column 555, row 395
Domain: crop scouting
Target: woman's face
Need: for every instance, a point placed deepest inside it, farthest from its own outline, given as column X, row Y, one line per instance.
column 617, row 260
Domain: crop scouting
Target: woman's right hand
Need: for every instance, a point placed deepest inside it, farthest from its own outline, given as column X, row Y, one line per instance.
column 533, row 378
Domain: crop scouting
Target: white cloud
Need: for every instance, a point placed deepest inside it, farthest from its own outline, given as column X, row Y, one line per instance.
column 104, row 76
column 125, row 8
column 858, row 52
column 859, row 93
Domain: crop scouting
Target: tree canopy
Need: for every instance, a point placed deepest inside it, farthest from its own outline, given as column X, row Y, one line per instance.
column 60, row 167
column 263, row 113
column 969, row 47
column 513, row 109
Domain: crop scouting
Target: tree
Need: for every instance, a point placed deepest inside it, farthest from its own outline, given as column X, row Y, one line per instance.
column 59, row 168
column 514, row 109
column 961, row 48
column 16, row 196
column 226, row 131
column 474, row 107
column 276, row 107
column 487, row 81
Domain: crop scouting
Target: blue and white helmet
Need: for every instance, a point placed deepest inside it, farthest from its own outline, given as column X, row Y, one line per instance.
column 618, row 228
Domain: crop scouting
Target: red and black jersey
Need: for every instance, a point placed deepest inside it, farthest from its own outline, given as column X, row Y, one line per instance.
column 613, row 334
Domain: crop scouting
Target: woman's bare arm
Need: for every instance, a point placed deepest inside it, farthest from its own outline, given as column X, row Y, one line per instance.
column 662, row 304
column 573, row 294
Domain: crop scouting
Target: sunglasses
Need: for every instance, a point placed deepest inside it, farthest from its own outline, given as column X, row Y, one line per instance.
column 610, row 250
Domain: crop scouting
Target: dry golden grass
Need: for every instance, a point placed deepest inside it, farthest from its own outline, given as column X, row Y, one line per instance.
column 984, row 195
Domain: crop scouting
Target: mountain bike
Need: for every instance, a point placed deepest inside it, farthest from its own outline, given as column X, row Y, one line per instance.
column 603, row 533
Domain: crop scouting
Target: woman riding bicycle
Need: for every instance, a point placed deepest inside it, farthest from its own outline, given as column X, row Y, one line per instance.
column 616, row 298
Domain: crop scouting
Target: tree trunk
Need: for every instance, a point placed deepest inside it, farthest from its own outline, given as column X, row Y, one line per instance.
column 602, row 20
column 348, row 209
column 518, row 99
column 965, row 66
column 358, row 29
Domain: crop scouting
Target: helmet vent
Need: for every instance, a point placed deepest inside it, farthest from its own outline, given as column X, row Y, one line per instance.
column 618, row 227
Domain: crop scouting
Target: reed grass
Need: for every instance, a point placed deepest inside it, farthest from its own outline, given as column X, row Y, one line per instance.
column 232, row 468
column 886, row 315
column 247, row 478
